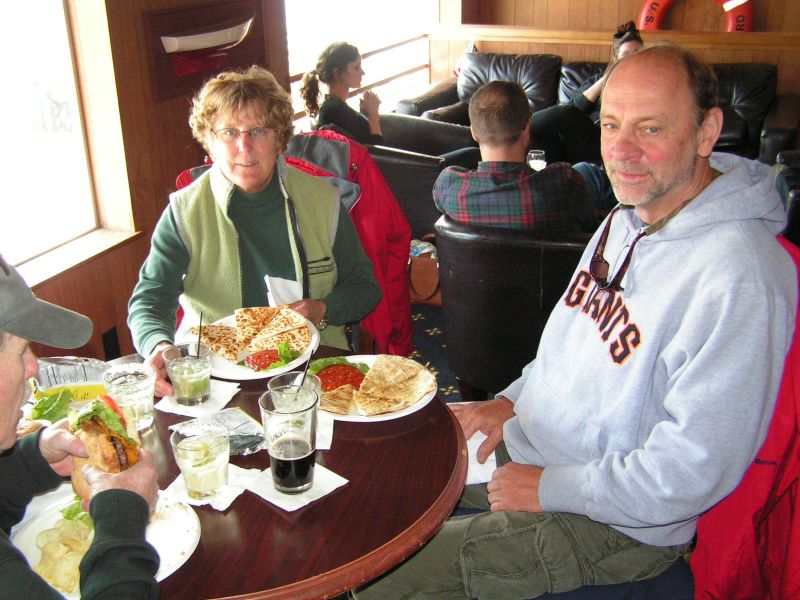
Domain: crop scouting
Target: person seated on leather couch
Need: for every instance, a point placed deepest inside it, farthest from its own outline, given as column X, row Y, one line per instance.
column 504, row 191
column 568, row 132
column 339, row 67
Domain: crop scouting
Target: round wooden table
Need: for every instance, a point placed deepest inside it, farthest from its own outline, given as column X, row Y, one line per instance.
column 405, row 477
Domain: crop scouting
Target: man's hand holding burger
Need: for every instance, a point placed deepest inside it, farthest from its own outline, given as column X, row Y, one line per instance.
column 113, row 458
column 140, row 479
column 58, row 445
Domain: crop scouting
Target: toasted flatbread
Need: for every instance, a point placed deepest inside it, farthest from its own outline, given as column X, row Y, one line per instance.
column 396, row 396
column 392, row 384
column 298, row 338
column 285, row 319
column 221, row 339
column 338, row 400
column 388, row 370
column 251, row 320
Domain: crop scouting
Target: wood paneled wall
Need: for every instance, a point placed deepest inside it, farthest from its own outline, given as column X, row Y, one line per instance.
column 684, row 15
column 582, row 30
column 158, row 146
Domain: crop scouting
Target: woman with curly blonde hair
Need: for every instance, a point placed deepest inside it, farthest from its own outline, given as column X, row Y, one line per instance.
column 251, row 230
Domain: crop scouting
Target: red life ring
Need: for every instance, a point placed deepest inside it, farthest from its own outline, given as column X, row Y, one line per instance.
column 738, row 14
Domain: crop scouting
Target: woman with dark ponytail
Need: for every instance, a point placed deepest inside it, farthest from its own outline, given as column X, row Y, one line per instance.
column 339, row 67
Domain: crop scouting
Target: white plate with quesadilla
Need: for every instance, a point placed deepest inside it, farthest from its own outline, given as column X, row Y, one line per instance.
column 399, row 386
column 298, row 331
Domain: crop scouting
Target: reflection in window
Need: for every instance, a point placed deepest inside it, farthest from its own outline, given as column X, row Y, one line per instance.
column 47, row 196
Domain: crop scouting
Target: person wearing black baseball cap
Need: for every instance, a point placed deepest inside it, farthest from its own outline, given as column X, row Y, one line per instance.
column 119, row 563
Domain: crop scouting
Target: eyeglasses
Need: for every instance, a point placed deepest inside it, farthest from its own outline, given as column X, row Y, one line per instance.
column 231, row 135
column 599, row 267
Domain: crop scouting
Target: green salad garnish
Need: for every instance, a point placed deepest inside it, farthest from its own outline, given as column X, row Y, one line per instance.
column 54, row 407
column 74, row 512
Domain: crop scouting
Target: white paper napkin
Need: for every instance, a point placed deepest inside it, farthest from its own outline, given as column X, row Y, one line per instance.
column 325, row 481
column 477, row 472
column 221, row 393
column 239, row 479
column 324, row 430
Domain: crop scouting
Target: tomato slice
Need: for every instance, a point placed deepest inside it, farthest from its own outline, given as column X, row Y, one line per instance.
column 109, row 402
column 261, row 360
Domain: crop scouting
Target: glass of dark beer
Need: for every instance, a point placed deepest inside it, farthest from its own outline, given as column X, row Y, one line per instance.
column 289, row 415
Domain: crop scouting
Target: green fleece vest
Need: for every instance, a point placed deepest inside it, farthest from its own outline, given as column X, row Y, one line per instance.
column 213, row 281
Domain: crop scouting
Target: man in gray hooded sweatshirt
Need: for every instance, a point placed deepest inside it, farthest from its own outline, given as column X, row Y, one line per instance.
column 657, row 372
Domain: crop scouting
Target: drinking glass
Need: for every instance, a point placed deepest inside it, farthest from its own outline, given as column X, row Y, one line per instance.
column 131, row 386
column 536, row 160
column 189, row 369
column 289, row 414
column 294, row 378
column 202, row 452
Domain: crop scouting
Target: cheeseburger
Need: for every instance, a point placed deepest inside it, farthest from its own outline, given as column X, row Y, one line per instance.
column 101, row 426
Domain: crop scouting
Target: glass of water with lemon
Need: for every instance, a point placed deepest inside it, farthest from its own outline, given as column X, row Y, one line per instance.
column 202, row 453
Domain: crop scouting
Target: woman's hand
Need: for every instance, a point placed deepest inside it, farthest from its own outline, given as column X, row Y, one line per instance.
column 155, row 360
column 313, row 310
column 370, row 103
column 487, row 417
column 58, row 445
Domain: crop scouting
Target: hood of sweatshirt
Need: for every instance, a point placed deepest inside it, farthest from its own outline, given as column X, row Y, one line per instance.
column 745, row 191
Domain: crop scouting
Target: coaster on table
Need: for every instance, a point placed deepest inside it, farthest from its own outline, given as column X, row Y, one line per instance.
column 325, row 481
column 221, row 393
column 238, row 481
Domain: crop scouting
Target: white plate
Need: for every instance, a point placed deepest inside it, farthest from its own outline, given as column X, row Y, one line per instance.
column 369, row 359
column 173, row 530
column 222, row 367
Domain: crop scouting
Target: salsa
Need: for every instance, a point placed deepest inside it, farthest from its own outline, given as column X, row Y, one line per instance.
column 336, row 376
column 258, row 361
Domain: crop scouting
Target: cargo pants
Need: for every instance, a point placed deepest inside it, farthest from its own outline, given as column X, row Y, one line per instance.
column 505, row 555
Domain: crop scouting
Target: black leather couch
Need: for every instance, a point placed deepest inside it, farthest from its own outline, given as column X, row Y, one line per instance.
column 758, row 123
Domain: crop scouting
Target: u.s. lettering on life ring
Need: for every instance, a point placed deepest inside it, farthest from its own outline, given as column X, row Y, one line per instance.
column 738, row 14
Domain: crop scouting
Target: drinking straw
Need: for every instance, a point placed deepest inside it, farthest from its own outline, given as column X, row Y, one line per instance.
column 199, row 334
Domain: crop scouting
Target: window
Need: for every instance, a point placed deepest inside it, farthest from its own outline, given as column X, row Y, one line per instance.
column 313, row 24
column 47, row 189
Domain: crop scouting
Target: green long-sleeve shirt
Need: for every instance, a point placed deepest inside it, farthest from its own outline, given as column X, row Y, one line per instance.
column 264, row 250
column 118, row 564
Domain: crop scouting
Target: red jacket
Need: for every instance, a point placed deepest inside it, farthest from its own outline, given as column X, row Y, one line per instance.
column 382, row 228
column 748, row 545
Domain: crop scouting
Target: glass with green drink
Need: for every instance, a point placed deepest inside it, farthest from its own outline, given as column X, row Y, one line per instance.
column 189, row 369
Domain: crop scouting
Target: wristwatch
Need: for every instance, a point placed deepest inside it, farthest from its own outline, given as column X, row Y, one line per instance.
column 323, row 322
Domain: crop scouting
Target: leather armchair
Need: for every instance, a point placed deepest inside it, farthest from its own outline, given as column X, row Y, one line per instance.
column 788, row 185
column 498, row 289
column 758, row 122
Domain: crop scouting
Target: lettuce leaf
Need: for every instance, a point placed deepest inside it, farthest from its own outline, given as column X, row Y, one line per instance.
column 96, row 408
column 286, row 355
column 322, row 363
column 74, row 512
column 54, row 407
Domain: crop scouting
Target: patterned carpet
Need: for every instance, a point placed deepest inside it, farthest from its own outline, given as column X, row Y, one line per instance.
column 429, row 344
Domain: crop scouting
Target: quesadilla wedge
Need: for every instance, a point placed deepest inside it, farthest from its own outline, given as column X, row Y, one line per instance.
column 395, row 396
column 251, row 320
column 338, row 400
column 298, row 339
column 221, row 339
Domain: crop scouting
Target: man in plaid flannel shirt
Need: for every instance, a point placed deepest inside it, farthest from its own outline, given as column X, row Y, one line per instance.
column 504, row 191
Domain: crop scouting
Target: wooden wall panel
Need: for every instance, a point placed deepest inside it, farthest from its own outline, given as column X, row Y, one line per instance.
column 781, row 49
column 158, row 146
column 684, row 15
